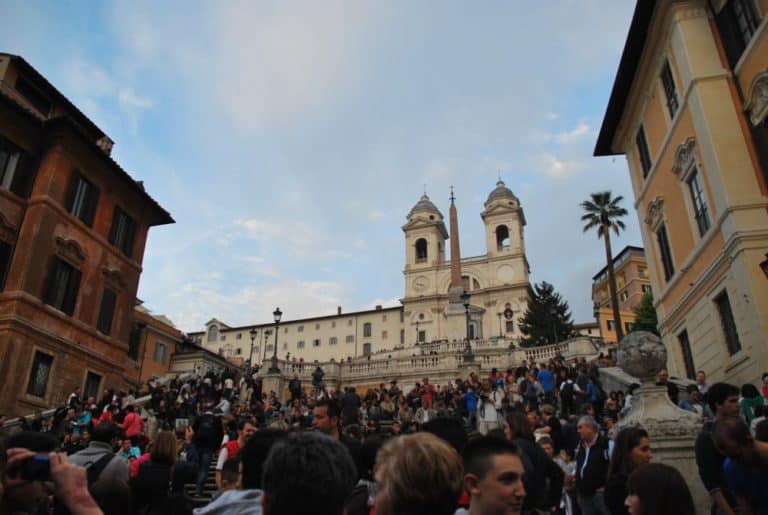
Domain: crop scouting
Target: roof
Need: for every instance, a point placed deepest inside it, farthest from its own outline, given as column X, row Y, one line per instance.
column 618, row 257
column 625, row 76
column 499, row 192
column 424, row 204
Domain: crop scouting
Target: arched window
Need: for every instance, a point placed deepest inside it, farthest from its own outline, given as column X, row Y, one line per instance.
column 421, row 250
column 213, row 333
column 367, row 349
column 502, row 237
column 367, row 329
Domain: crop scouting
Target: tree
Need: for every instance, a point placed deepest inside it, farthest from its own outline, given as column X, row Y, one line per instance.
column 547, row 319
column 604, row 212
column 645, row 315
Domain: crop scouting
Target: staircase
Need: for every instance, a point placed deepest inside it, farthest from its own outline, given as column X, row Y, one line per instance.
column 209, row 487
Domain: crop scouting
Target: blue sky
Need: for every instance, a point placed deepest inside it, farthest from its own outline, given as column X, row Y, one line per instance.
column 290, row 139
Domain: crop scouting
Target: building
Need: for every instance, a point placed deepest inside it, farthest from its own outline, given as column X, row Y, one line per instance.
column 496, row 283
column 689, row 109
column 153, row 342
column 632, row 282
column 73, row 227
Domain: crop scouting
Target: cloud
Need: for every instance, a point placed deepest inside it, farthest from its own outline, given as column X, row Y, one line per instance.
column 554, row 167
column 550, row 116
column 129, row 99
column 578, row 132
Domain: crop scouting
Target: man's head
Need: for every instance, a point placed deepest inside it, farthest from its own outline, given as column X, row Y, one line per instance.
column 733, row 438
column 493, row 476
column 326, row 416
column 230, row 474
column 126, row 445
column 307, row 473
column 105, row 432
column 701, row 377
column 693, row 393
column 663, row 375
column 245, row 430
column 254, row 453
column 723, row 399
column 588, row 428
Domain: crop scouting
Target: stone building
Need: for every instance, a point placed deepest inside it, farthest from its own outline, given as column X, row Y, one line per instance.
column 632, row 282
column 689, row 109
column 153, row 342
column 73, row 227
column 431, row 310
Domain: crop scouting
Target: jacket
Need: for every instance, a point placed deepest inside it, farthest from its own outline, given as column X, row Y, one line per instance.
column 233, row 502
column 115, row 469
column 543, row 478
column 710, row 463
column 592, row 467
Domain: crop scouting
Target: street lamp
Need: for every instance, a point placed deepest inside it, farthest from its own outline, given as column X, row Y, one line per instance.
column 468, row 356
column 265, row 334
column 501, row 334
column 273, row 368
column 253, row 332
column 417, row 331
column 553, row 312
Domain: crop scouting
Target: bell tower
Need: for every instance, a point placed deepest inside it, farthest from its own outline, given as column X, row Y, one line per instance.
column 504, row 221
column 425, row 236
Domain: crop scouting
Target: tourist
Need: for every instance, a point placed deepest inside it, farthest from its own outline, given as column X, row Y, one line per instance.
column 487, row 415
column 230, row 449
column 632, row 450
column 746, row 466
column 701, row 383
column 750, row 399
column 132, row 425
column 362, row 497
column 764, row 389
column 723, row 400
column 694, row 403
column 155, row 474
column 493, row 477
column 208, row 435
column 591, row 467
column 658, row 489
column 672, row 391
column 307, row 473
column 326, row 417
column 100, row 457
column 417, row 475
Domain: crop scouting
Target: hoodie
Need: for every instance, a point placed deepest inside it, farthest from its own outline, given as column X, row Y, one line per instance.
column 233, row 502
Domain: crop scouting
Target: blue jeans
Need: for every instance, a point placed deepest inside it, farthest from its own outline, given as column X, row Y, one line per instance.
column 593, row 505
column 202, row 472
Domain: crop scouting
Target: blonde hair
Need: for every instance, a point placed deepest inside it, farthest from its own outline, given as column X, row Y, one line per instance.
column 164, row 448
column 421, row 475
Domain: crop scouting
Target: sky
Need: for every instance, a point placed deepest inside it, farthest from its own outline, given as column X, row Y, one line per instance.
column 289, row 139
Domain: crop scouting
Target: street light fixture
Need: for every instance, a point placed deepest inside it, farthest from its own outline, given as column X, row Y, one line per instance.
column 253, row 332
column 273, row 368
column 265, row 334
column 468, row 356
column 501, row 334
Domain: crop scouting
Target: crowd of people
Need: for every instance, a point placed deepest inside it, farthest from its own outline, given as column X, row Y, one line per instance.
column 539, row 438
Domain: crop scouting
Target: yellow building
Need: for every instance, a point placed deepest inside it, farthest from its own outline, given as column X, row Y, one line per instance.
column 632, row 282
column 688, row 109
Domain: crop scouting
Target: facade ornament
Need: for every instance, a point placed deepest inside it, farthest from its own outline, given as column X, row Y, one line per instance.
column 70, row 251
column 113, row 278
column 655, row 212
column 757, row 101
column 685, row 159
column 7, row 231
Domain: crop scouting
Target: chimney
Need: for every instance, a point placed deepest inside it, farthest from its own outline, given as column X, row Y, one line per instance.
column 106, row 145
column 378, row 307
column 338, row 310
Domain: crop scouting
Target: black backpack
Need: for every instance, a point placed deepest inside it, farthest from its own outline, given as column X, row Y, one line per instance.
column 567, row 392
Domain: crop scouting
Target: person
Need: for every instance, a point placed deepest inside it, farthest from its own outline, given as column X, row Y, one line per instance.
column 487, row 416
column 764, row 389
column 325, row 418
column 723, row 400
column 208, row 435
column 427, row 393
column 493, row 477
column 294, row 386
column 701, row 383
column 672, row 391
column 591, row 467
column 307, row 473
column 350, row 406
column 417, row 474
column 361, row 499
column 746, row 465
column 658, row 489
column 74, row 397
column 547, row 380
column 551, row 426
column 229, row 450
column 632, row 450
column 151, row 484
column 750, row 399
column 132, row 425
column 100, row 456
column 127, row 451
column 694, row 404
column 470, row 400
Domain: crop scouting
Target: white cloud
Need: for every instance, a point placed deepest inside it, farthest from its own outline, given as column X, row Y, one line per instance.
column 550, row 116
column 554, row 167
column 578, row 132
column 129, row 99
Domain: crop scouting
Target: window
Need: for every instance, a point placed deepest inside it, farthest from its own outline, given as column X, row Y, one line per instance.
column 685, row 348
column 509, row 327
column 700, row 211
column 223, row 338
column 333, row 324
column 92, row 383
column 83, row 197
column 422, row 336
column 642, row 273
column 285, row 331
column 333, row 340
column 213, row 333
column 123, row 231
column 16, row 169
column 239, row 336
column 285, row 346
column 106, row 311
column 737, row 23
column 134, row 341
column 5, row 262
column 729, row 324
column 300, row 345
column 669, row 89
column 301, row 329
column 350, row 338
column 239, row 351
column 33, row 96
column 402, row 336
column 366, row 349
column 611, row 325
column 317, row 326
column 624, row 295
column 666, row 253
column 161, row 352
column 38, row 376
column 349, row 323
column 646, row 288
column 269, row 348
column 628, row 327
column 421, row 250
column 316, row 343
column 63, row 286
column 383, row 318
column 642, row 151
column 367, row 330
column 502, row 238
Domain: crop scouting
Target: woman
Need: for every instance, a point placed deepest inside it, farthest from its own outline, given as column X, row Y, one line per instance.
column 750, row 399
column 658, row 489
column 631, row 451
column 154, row 475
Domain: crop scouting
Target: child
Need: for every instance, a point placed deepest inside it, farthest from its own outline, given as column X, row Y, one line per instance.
column 566, row 462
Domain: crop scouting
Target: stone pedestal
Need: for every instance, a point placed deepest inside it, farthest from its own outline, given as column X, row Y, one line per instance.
column 467, row 368
column 274, row 382
column 672, row 431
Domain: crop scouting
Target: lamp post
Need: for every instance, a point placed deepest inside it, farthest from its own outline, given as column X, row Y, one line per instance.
column 468, row 356
column 553, row 312
column 273, row 368
column 501, row 334
column 417, row 331
column 265, row 334
column 253, row 332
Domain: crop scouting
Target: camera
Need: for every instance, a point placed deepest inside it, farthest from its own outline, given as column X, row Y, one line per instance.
column 36, row 468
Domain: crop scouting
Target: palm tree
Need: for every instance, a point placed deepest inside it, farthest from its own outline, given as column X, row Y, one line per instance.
column 605, row 213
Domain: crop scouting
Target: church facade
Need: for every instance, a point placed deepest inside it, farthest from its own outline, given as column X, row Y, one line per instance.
column 444, row 298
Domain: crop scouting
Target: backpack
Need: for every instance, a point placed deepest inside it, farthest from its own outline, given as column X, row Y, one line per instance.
column 206, row 430
column 567, row 392
column 94, row 471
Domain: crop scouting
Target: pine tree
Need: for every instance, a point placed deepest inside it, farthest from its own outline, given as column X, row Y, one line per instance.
column 548, row 317
column 645, row 315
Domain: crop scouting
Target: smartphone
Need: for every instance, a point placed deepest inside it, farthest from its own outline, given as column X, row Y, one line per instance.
column 36, row 468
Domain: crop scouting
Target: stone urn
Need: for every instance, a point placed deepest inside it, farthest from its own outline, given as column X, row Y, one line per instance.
column 642, row 355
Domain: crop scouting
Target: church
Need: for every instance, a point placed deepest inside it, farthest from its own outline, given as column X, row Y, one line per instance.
column 445, row 299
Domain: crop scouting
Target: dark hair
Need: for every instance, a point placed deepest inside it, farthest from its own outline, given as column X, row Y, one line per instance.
column 718, row 393
column 450, row 430
column 661, row 490
column 761, row 431
column 241, row 423
column 733, row 429
column 113, row 496
column 32, row 440
column 314, row 464
column 367, row 455
column 479, row 452
column 519, row 425
column 333, row 407
column 104, row 432
column 627, row 439
column 254, row 454
column 749, row 391
column 230, row 471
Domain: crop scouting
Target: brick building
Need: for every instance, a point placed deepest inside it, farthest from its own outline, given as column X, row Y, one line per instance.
column 73, row 228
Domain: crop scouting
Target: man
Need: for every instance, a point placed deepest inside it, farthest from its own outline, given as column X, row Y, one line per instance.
column 325, row 418
column 74, row 397
column 307, row 473
column 99, row 454
column 701, row 383
column 672, row 391
column 294, row 386
column 230, row 450
column 547, row 380
column 208, row 434
column 746, row 468
column 551, row 426
column 427, row 393
column 132, row 425
column 693, row 403
column 350, row 406
column 592, row 459
column 493, row 477
column 487, row 416
column 723, row 400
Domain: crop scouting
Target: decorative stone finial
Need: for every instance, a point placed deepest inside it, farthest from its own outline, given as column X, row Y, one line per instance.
column 642, row 354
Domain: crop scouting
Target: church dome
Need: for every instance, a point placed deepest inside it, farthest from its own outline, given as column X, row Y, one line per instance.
column 424, row 205
column 500, row 192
